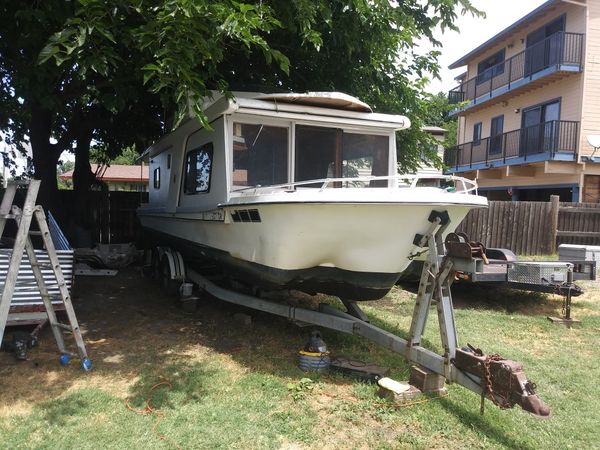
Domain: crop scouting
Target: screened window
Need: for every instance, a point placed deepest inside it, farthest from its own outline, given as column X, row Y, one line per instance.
column 198, row 166
column 332, row 153
column 260, row 155
column 156, row 178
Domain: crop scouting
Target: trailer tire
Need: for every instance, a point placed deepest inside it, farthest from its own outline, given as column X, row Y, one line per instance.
column 169, row 285
column 156, row 265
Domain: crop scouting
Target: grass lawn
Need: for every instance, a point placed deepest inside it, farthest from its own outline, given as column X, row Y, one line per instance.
column 236, row 386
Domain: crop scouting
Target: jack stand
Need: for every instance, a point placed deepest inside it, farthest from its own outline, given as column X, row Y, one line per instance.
column 354, row 310
column 566, row 320
column 485, row 374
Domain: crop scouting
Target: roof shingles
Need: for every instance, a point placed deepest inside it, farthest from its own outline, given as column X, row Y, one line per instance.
column 117, row 172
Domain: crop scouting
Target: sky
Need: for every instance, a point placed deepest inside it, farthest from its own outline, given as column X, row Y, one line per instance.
column 475, row 31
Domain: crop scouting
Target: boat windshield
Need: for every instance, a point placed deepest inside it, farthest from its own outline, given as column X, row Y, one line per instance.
column 333, row 153
column 260, row 155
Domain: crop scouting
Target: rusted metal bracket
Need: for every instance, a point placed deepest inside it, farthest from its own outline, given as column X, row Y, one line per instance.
column 503, row 381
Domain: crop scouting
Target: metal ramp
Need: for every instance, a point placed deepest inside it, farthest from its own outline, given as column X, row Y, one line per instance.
column 23, row 245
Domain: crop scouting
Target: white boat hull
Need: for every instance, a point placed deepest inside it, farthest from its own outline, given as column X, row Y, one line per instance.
column 354, row 250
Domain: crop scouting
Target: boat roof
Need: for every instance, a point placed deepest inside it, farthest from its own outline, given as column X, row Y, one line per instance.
column 328, row 107
column 335, row 100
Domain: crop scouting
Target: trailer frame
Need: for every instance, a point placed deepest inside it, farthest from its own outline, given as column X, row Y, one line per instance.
column 434, row 290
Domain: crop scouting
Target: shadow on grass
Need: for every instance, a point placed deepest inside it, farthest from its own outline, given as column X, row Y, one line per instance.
column 57, row 412
column 134, row 332
column 157, row 386
column 483, row 426
column 499, row 298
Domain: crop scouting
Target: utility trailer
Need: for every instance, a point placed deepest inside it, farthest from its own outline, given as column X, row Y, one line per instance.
column 490, row 376
column 500, row 267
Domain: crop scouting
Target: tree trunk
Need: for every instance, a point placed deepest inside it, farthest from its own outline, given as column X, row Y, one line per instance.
column 83, row 177
column 84, row 217
column 44, row 155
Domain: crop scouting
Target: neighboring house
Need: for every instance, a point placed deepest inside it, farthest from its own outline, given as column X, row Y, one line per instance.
column 440, row 135
column 528, row 101
column 119, row 177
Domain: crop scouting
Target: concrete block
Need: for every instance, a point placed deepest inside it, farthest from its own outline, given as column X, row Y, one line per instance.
column 425, row 380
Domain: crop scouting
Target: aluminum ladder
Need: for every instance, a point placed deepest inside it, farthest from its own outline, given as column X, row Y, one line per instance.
column 23, row 218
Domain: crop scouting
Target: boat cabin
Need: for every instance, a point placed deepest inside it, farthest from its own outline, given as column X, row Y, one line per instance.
column 261, row 140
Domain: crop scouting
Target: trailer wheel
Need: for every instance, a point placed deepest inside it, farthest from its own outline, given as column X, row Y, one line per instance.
column 170, row 286
column 156, row 266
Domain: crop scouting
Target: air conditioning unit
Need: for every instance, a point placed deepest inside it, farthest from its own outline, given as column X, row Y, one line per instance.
column 531, row 272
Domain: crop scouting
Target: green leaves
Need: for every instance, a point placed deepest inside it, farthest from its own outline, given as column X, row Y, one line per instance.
column 131, row 69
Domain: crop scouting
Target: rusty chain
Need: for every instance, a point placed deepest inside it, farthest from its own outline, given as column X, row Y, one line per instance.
column 504, row 402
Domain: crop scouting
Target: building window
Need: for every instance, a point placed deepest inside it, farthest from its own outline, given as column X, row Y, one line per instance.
column 198, row 167
column 490, row 67
column 477, row 133
column 169, row 161
column 496, row 134
column 260, row 155
column 156, row 178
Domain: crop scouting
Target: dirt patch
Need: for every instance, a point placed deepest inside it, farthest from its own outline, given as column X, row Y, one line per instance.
column 129, row 327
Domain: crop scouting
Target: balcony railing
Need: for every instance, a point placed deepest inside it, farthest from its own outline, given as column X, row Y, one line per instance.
column 559, row 49
column 538, row 142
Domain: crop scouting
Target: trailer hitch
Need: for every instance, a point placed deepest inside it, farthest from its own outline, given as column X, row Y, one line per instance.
column 502, row 381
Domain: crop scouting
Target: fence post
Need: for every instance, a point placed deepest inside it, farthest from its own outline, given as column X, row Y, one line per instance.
column 554, row 209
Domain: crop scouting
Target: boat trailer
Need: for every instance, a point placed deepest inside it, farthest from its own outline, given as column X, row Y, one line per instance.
column 500, row 380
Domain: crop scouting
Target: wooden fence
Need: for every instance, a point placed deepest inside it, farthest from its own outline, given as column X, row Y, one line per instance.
column 579, row 223
column 534, row 228
column 109, row 217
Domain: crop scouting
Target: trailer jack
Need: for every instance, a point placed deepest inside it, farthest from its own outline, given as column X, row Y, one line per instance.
column 500, row 380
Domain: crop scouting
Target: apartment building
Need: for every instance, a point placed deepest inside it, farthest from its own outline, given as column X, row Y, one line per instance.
column 527, row 104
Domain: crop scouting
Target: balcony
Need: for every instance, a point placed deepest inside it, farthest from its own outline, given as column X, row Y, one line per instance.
column 554, row 140
column 559, row 53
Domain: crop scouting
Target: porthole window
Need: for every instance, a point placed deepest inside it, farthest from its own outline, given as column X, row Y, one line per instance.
column 156, row 178
column 198, row 167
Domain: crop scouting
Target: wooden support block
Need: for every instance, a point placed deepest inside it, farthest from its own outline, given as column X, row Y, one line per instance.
column 358, row 369
column 189, row 304
column 243, row 319
column 564, row 321
column 410, row 395
column 426, row 380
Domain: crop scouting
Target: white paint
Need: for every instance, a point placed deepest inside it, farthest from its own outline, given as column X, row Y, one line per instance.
column 363, row 229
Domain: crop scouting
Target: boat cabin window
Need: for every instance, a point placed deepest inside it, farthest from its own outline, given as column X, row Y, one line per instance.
column 260, row 155
column 156, row 178
column 198, row 166
column 333, row 153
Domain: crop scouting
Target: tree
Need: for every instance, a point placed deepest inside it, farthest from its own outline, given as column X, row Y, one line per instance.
column 62, row 168
column 128, row 156
column 438, row 114
column 118, row 73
